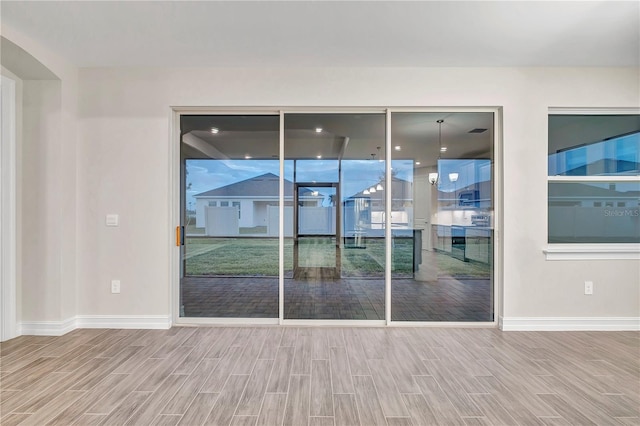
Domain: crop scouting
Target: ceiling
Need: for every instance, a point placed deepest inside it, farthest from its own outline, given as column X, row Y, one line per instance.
column 332, row 33
column 350, row 136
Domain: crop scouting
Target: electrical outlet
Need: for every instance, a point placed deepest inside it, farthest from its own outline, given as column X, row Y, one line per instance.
column 115, row 286
column 588, row 287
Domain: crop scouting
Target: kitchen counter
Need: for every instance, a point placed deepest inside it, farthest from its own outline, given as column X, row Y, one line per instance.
column 466, row 243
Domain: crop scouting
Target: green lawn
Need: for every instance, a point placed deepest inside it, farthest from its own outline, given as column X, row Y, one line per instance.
column 233, row 256
column 192, row 230
column 259, row 257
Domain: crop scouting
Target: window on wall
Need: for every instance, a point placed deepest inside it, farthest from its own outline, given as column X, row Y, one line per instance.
column 594, row 178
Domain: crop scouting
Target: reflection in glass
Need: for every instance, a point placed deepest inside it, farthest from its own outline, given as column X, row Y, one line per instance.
column 364, row 217
column 337, row 267
column 442, row 209
column 594, row 212
column 230, row 201
column 594, row 145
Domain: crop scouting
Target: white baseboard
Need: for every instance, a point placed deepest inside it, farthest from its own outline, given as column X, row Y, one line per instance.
column 161, row 322
column 46, row 328
column 58, row 328
column 569, row 323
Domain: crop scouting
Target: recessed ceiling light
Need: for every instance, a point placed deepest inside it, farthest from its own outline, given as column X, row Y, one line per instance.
column 318, row 156
column 443, row 149
column 214, row 130
column 417, row 163
column 397, row 148
column 318, row 129
column 247, row 157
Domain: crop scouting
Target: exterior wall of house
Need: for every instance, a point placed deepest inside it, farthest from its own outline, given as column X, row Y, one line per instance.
column 259, row 209
column 201, row 203
column 246, row 219
column 252, row 212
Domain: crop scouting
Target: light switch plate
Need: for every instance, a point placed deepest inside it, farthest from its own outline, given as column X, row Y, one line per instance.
column 112, row 220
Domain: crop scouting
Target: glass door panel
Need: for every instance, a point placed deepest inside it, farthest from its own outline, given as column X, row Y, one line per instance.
column 230, row 207
column 442, row 217
column 337, row 269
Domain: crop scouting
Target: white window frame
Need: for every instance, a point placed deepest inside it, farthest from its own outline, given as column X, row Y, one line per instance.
column 591, row 251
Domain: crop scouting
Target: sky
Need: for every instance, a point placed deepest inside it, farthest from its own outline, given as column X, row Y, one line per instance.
column 625, row 148
column 205, row 175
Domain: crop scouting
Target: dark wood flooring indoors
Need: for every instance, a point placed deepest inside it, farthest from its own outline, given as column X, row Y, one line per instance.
column 321, row 376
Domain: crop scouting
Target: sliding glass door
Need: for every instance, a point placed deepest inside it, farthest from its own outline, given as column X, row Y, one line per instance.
column 370, row 216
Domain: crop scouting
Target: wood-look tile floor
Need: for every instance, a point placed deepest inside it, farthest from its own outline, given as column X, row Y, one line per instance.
column 321, row 376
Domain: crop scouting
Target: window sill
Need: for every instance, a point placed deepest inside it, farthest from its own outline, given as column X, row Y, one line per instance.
column 592, row 252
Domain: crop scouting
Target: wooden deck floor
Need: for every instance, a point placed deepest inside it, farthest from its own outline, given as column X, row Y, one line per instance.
column 321, row 376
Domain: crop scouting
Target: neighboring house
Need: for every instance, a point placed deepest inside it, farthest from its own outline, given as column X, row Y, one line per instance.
column 582, row 212
column 256, row 199
column 599, row 211
column 253, row 199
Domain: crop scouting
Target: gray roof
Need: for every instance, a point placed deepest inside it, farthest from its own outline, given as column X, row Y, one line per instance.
column 266, row 185
column 585, row 190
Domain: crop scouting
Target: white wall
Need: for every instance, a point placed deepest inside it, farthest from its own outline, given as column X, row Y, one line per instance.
column 123, row 160
column 40, row 202
column 200, row 205
column 246, row 211
column 46, row 184
column 18, row 213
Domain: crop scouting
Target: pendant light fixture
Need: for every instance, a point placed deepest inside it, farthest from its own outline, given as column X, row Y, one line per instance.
column 433, row 176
